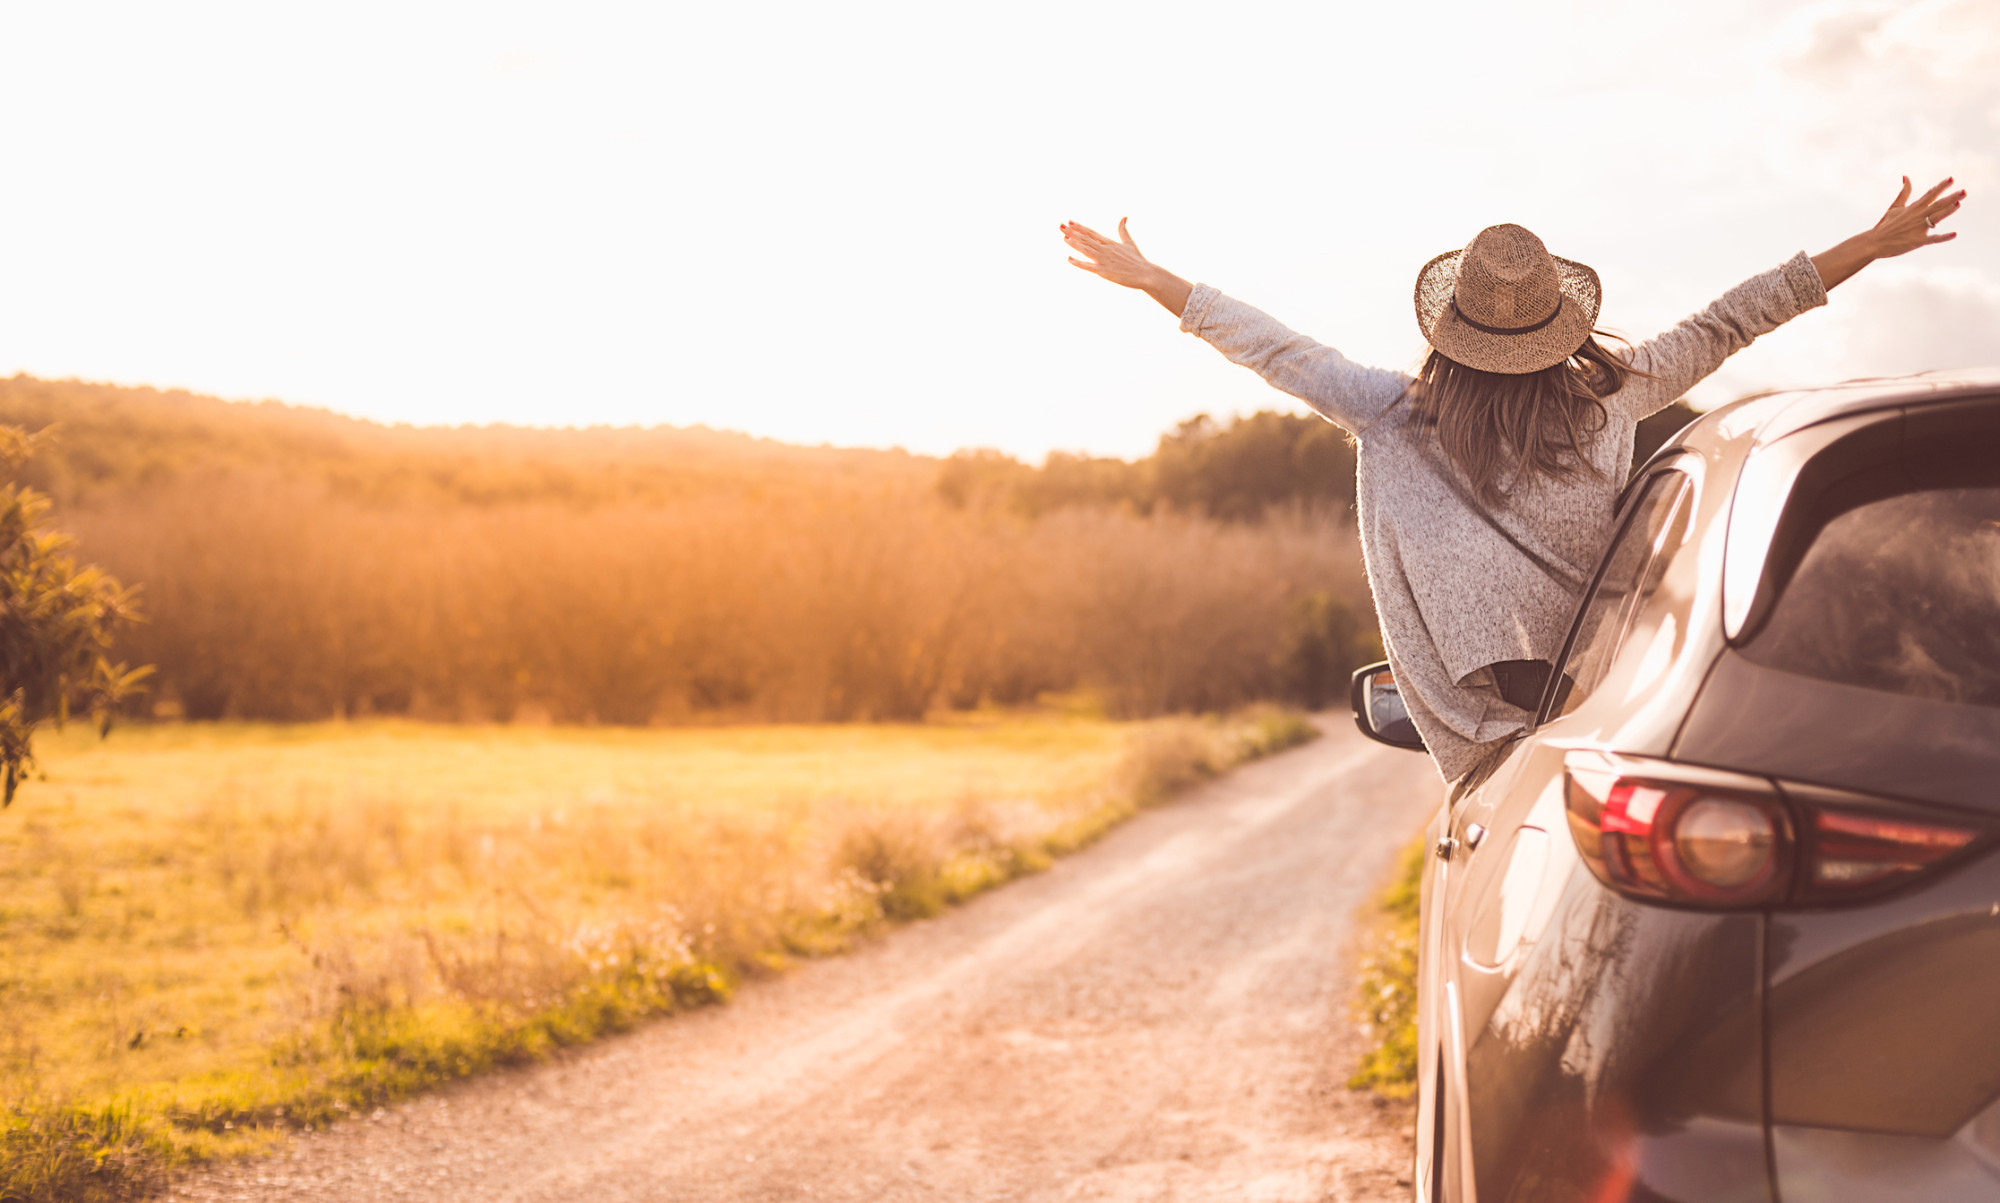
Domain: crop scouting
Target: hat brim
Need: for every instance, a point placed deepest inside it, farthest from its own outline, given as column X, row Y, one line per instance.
column 1506, row 354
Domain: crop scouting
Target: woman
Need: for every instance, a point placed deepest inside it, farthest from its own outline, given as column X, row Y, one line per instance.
column 1486, row 482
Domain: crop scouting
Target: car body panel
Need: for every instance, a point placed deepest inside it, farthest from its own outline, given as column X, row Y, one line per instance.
column 1764, row 483
column 1765, row 720
column 1605, row 1045
column 1577, row 1044
column 1624, row 1060
column 1771, row 416
column 1831, row 1165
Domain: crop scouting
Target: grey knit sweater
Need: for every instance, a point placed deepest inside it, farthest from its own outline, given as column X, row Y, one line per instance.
column 1454, row 595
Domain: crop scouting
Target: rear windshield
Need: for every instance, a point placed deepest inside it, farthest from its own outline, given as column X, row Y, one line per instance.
column 1900, row 594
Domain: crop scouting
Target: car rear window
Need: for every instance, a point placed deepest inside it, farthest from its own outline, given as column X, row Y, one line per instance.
column 1901, row 594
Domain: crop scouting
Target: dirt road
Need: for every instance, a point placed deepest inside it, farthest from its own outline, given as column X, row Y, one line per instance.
column 1162, row 1016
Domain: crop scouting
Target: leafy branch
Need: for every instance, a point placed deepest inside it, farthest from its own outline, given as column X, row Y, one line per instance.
column 57, row 624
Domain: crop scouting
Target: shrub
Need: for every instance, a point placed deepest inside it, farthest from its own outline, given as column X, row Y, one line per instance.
column 57, row 622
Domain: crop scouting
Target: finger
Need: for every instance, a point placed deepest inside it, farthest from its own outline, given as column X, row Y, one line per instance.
column 1934, row 239
column 1896, row 206
column 1086, row 231
column 1089, row 267
column 1125, row 235
column 1082, row 240
column 1934, row 191
column 1934, row 220
column 1946, row 207
column 1097, row 247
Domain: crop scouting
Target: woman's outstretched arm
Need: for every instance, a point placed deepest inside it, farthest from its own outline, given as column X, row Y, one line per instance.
column 1903, row 228
column 1121, row 263
column 1689, row 352
column 1344, row 392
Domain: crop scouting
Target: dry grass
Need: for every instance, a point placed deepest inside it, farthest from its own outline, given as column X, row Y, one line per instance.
column 217, row 934
column 272, row 598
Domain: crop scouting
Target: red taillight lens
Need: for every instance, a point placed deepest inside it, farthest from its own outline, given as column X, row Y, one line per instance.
column 1852, row 854
column 1702, row 837
column 1725, row 844
column 1699, row 843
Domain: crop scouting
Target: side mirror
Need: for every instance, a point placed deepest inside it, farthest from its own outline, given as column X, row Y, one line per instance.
column 1379, row 710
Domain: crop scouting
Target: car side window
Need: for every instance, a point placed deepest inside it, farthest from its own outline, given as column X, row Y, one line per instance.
column 1653, row 531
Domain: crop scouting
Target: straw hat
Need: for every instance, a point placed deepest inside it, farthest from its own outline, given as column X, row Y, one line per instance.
column 1504, row 304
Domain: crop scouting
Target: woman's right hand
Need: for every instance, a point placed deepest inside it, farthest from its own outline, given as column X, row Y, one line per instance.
column 1121, row 263
column 1907, row 226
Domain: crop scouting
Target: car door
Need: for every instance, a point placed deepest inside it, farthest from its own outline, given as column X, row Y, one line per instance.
column 1503, row 856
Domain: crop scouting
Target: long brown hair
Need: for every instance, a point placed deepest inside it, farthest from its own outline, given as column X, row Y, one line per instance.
column 1536, row 422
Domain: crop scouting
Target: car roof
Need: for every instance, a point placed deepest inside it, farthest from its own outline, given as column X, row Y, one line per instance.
column 1773, row 415
column 1742, row 434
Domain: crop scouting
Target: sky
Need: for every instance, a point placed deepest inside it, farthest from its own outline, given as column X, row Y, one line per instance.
column 838, row 223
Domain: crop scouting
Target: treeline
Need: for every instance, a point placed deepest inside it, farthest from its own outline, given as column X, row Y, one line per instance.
column 295, row 564
column 299, row 565
column 108, row 439
column 1238, row 471
column 272, row 599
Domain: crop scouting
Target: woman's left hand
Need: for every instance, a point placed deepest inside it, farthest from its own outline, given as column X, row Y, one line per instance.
column 1906, row 226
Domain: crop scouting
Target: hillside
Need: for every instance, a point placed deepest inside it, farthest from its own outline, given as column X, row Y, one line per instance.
column 298, row 565
column 109, row 438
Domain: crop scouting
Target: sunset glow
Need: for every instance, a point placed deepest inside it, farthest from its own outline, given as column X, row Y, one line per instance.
column 838, row 223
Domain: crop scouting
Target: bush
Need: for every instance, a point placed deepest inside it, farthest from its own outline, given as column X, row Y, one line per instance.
column 300, row 565
column 1328, row 639
column 276, row 599
column 57, row 623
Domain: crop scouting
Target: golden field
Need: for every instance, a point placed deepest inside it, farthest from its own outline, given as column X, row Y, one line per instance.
column 215, row 933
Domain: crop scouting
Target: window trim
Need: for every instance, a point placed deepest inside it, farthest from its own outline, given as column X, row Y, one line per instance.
column 1678, row 465
column 1884, row 482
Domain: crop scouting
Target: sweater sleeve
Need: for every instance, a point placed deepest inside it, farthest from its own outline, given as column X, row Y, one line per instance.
column 1345, row 393
column 1688, row 353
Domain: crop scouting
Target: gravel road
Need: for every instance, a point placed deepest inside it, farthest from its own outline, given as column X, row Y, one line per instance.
column 1164, row 1015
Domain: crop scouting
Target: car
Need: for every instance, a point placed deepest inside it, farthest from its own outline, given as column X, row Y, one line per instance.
column 1725, row 922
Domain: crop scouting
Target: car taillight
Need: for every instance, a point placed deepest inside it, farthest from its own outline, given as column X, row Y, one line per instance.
column 1702, row 842
column 1850, row 854
column 1706, row 838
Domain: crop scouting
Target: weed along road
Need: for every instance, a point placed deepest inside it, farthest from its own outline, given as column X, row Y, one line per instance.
column 1165, row 1015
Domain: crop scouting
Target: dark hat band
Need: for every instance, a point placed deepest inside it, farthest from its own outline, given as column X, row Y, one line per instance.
column 1483, row 328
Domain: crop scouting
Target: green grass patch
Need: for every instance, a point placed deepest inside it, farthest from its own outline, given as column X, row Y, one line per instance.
column 1386, row 998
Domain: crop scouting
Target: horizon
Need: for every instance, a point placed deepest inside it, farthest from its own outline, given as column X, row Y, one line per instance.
column 839, row 230
column 395, row 424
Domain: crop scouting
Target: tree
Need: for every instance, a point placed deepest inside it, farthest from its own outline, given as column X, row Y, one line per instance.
column 1237, row 472
column 56, row 625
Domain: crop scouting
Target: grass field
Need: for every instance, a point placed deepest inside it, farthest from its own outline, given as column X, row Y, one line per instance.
column 214, row 934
